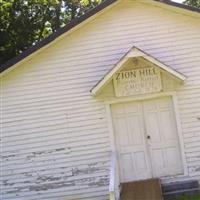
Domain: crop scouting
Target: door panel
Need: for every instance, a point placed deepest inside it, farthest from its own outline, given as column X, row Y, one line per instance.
column 153, row 126
column 163, row 143
column 129, row 132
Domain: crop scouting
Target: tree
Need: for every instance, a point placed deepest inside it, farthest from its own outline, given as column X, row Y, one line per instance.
column 23, row 23
column 194, row 3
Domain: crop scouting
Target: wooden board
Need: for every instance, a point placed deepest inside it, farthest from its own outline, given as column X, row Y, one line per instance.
column 142, row 190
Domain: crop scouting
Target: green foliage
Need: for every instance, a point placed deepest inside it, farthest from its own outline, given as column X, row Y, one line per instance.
column 194, row 197
column 25, row 22
column 195, row 3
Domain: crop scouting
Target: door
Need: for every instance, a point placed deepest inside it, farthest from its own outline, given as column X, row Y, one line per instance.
column 162, row 137
column 146, row 139
column 130, row 141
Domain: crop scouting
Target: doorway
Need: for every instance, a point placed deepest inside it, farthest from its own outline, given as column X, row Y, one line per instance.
column 146, row 139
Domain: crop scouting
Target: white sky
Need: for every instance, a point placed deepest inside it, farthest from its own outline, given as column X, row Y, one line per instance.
column 179, row 1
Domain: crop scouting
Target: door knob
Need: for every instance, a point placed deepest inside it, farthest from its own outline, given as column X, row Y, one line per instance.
column 148, row 137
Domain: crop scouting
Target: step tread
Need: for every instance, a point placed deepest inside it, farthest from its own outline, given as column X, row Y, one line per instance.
column 145, row 190
column 182, row 191
column 181, row 185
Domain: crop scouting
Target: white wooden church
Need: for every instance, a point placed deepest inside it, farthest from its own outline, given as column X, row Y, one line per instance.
column 112, row 98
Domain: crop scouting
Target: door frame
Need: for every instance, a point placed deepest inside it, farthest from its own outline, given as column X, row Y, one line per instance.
column 173, row 95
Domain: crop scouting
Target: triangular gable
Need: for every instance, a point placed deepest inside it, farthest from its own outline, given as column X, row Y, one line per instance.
column 75, row 23
column 133, row 53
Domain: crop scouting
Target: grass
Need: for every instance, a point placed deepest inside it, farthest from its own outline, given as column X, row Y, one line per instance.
column 190, row 198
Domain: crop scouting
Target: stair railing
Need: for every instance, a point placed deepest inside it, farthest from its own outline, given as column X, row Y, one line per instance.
column 114, row 178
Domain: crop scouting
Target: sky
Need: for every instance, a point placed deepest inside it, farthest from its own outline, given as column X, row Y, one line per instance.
column 179, row 1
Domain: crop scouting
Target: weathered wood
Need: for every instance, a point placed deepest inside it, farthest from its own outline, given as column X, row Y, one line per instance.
column 114, row 178
column 142, row 190
column 55, row 135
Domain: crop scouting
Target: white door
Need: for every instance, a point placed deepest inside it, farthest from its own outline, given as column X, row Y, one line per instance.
column 130, row 141
column 163, row 142
column 146, row 139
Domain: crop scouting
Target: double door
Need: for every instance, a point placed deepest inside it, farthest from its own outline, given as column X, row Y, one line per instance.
column 146, row 139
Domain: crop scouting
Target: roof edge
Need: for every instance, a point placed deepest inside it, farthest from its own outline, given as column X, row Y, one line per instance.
column 179, row 5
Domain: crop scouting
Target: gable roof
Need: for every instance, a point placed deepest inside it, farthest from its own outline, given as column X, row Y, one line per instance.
column 75, row 23
column 133, row 53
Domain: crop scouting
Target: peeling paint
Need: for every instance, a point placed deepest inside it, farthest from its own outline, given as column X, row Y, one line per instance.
column 7, row 183
column 76, row 171
column 47, row 178
column 6, row 158
column 39, row 153
column 51, row 186
column 194, row 169
column 100, row 182
column 88, row 169
column 61, row 149
column 197, row 169
column 13, row 191
column 26, row 182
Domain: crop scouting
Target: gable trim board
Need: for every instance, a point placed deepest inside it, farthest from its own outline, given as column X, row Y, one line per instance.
column 134, row 52
column 75, row 23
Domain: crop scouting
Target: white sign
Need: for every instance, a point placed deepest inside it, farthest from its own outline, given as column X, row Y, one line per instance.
column 138, row 81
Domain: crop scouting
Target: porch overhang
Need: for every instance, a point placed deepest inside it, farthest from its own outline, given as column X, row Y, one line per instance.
column 133, row 53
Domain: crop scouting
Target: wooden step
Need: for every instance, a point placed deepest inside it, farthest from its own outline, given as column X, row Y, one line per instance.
column 142, row 190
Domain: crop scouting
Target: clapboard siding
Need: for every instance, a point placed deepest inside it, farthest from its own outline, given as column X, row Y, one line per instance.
column 55, row 134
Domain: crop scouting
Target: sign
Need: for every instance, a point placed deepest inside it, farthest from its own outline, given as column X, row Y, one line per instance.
column 137, row 81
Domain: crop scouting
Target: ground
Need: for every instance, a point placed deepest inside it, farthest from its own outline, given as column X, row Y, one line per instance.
column 190, row 198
